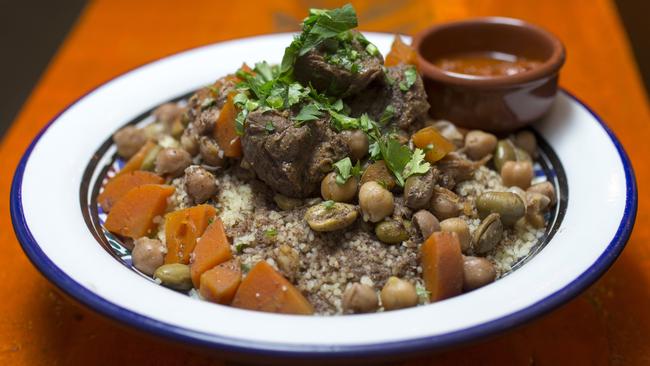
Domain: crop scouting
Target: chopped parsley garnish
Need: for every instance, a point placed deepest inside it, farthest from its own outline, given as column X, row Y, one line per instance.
column 320, row 25
column 342, row 122
column 410, row 76
column 239, row 247
column 270, row 233
column 328, row 204
column 399, row 158
column 269, row 127
column 309, row 112
column 416, row 165
column 372, row 50
column 345, row 170
column 387, row 115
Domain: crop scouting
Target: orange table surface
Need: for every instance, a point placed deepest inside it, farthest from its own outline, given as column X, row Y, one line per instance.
column 608, row 324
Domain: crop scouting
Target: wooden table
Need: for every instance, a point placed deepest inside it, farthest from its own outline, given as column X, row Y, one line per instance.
column 608, row 324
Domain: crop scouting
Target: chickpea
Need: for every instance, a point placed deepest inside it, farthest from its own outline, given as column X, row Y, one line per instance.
column 167, row 112
column 360, row 298
column 376, row 202
column 357, row 143
column 147, row 255
column 517, row 173
column 477, row 272
column 527, row 141
column 426, row 223
column 460, row 227
column 129, row 140
column 331, row 190
column 199, row 184
column 172, row 161
column 545, row 188
column 190, row 141
column 210, row 152
column 479, row 144
column 398, row 294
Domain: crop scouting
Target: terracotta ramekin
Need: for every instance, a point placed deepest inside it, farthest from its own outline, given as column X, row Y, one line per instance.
column 497, row 104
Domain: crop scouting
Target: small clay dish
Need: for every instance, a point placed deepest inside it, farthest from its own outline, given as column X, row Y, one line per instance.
column 499, row 103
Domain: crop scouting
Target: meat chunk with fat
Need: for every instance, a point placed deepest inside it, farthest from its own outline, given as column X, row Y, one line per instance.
column 291, row 159
column 330, row 70
column 409, row 106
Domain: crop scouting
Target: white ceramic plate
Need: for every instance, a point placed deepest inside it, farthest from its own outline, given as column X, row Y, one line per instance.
column 45, row 207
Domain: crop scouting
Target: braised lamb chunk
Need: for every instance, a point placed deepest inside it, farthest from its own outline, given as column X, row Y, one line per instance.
column 340, row 67
column 291, row 159
column 400, row 94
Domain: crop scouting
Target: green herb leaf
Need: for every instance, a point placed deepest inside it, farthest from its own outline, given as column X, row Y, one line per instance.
column 269, row 127
column 295, row 93
column 324, row 24
column 343, row 170
column 328, row 204
column 396, row 156
column 320, row 25
column 375, row 151
column 416, row 165
column 372, row 50
column 387, row 115
column 240, row 99
column 270, row 233
column 337, row 106
column 410, row 76
column 275, row 101
column 239, row 247
column 263, row 69
column 239, row 122
column 342, row 122
column 309, row 112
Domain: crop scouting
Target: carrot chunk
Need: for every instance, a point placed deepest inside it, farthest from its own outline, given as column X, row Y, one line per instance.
column 133, row 215
column 120, row 184
column 433, row 143
column 442, row 265
column 213, row 248
column 401, row 53
column 221, row 282
column 225, row 131
column 136, row 160
column 264, row 289
column 183, row 228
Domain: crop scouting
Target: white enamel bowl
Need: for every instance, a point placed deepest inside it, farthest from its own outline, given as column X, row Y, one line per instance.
column 599, row 216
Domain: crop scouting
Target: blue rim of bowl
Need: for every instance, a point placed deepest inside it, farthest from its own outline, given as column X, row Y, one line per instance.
column 245, row 347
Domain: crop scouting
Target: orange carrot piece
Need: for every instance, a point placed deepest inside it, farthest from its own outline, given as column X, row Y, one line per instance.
column 133, row 215
column 442, row 265
column 401, row 53
column 433, row 143
column 213, row 248
column 183, row 228
column 221, row 282
column 225, row 131
column 264, row 289
column 120, row 184
column 136, row 160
